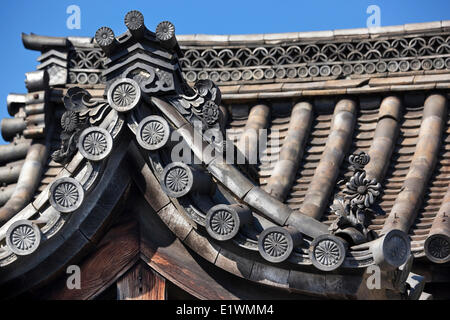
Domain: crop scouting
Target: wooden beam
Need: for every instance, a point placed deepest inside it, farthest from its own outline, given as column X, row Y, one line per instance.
column 117, row 252
column 141, row 283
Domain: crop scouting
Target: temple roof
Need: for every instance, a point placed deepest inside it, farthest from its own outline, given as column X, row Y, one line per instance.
column 354, row 154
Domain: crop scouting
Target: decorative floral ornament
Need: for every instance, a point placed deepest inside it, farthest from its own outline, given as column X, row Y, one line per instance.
column 207, row 89
column 165, row 30
column 222, row 222
column 359, row 160
column 76, row 99
column 69, row 121
column 104, row 36
column 81, row 111
column 275, row 244
column 210, row 112
column 361, row 191
column 23, row 237
column 360, row 195
column 124, row 94
column 134, row 20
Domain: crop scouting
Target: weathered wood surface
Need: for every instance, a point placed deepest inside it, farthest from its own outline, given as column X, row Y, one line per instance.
column 141, row 283
column 116, row 253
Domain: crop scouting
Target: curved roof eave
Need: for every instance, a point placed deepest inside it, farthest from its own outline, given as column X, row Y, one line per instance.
column 38, row 42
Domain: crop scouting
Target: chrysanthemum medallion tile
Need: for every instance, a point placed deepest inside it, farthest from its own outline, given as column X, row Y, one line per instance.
column 95, row 143
column 23, row 237
column 124, row 94
column 275, row 244
column 153, row 132
column 327, row 252
column 222, row 222
column 66, row 194
column 177, row 179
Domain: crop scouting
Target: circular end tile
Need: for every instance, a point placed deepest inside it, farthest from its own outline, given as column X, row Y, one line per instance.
column 396, row 247
column 124, row 95
column 437, row 248
column 23, row 237
column 222, row 222
column 153, row 132
column 95, row 143
column 275, row 244
column 104, row 36
column 134, row 20
column 66, row 194
column 327, row 252
column 177, row 179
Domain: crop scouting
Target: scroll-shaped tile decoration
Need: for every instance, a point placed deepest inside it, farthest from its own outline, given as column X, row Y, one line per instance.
column 124, row 94
column 327, row 252
column 153, row 132
column 23, row 237
column 81, row 112
column 223, row 221
column 202, row 104
column 66, row 194
column 275, row 244
column 360, row 194
column 95, row 143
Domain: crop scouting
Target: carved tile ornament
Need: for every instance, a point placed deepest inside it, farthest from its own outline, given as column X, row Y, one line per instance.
column 275, row 244
column 284, row 61
column 437, row 248
column 124, row 95
column 202, row 104
column 66, row 194
column 177, row 179
column 360, row 194
column 23, row 237
column 303, row 60
column 327, row 252
column 95, row 143
column 80, row 113
column 153, row 132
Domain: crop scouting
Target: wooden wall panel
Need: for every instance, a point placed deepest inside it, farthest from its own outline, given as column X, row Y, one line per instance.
column 117, row 252
column 141, row 283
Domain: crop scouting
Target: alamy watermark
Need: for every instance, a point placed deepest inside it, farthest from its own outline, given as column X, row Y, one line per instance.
column 374, row 279
column 374, row 20
column 249, row 148
column 74, row 19
column 74, row 279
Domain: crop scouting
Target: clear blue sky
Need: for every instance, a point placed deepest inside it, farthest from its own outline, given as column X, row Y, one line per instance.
column 48, row 17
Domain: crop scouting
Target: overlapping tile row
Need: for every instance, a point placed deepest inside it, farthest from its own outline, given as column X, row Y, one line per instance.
column 291, row 149
column 395, row 130
column 24, row 157
column 432, row 216
column 51, row 168
column 363, row 134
